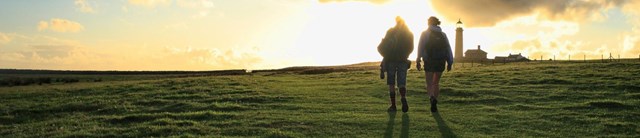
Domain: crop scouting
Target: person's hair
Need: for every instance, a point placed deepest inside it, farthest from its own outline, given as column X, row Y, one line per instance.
column 433, row 21
column 399, row 20
column 400, row 24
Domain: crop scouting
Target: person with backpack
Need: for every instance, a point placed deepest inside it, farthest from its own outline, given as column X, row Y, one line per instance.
column 395, row 49
column 435, row 50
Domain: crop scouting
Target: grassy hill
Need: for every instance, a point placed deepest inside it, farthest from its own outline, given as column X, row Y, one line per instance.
column 548, row 99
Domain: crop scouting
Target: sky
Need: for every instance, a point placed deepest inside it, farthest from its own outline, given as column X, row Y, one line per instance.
column 267, row 34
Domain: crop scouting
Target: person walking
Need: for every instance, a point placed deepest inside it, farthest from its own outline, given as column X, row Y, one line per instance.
column 395, row 48
column 435, row 50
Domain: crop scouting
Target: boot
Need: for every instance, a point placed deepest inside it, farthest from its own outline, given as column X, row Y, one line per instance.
column 405, row 105
column 434, row 104
column 392, row 98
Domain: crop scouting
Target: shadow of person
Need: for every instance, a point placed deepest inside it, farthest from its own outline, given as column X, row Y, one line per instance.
column 389, row 132
column 404, row 130
column 445, row 131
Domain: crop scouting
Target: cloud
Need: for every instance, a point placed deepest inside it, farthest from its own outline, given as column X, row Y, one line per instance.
column 50, row 50
column 538, row 48
column 631, row 41
column 46, row 52
column 546, row 38
column 83, row 6
column 4, row 38
column 370, row 1
column 195, row 3
column 52, row 57
column 150, row 3
column 43, row 25
column 60, row 25
column 631, row 44
column 202, row 7
column 478, row 13
column 632, row 7
column 212, row 57
column 177, row 26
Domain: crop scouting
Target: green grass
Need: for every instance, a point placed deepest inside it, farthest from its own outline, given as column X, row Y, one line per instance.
column 561, row 99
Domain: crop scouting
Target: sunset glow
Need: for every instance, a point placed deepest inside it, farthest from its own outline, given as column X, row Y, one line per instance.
column 264, row 34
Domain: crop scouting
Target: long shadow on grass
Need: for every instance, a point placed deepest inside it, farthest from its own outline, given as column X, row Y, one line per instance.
column 389, row 132
column 404, row 130
column 445, row 131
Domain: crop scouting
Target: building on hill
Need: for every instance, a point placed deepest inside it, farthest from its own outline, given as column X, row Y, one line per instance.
column 511, row 58
column 477, row 55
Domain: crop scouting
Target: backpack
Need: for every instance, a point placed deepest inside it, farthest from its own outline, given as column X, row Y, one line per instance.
column 386, row 48
column 436, row 48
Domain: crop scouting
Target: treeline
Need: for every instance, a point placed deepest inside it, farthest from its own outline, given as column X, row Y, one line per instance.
column 71, row 72
column 19, row 77
column 22, row 81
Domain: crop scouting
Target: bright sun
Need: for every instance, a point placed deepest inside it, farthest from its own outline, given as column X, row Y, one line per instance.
column 349, row 32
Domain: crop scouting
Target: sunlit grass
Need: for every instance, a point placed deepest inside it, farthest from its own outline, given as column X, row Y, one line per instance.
column 511, row 100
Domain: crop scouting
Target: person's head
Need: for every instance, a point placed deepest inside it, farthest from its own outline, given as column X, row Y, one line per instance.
column 433, row 21
column 399, row 21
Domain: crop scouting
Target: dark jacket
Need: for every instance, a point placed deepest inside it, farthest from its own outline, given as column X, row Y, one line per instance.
column 400, row 45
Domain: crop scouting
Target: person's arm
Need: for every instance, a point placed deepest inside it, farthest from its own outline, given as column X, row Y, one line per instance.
column 421, row 46
column 411, row 44
column 449, row 54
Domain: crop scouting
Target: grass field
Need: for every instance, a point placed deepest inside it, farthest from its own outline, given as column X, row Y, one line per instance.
column 552, row 99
